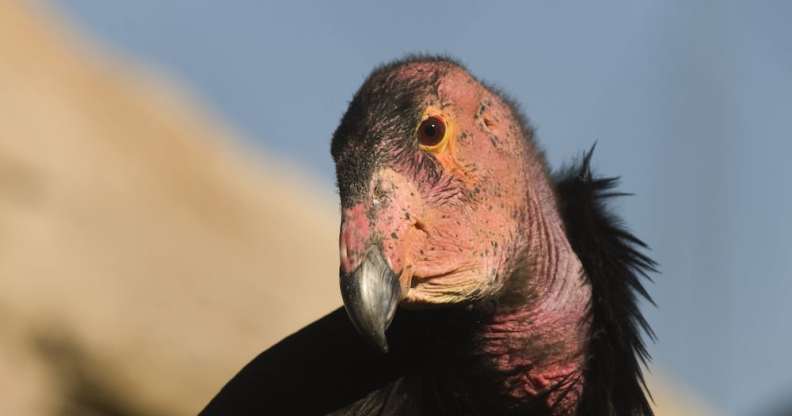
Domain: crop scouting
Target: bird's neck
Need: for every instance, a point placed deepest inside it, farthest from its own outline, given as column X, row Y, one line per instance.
column 527, row 349
column 535, row 339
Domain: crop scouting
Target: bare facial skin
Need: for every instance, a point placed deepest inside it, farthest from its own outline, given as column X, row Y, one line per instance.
column 449, row 238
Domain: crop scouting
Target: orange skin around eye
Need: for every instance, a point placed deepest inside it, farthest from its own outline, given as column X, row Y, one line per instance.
column 444, row 150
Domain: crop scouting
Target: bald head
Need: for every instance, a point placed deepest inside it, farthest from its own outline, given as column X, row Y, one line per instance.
column 383, row 115
column 434, row 168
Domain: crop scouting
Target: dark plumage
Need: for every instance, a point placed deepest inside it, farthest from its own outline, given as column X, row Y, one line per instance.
column 544, row 324
column 614, row 264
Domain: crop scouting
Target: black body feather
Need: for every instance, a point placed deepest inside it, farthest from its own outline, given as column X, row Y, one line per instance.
column 614, row 263
column 326, row 368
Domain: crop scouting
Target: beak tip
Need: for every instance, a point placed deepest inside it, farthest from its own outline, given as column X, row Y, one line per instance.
column 371, row 294
column 382, row 343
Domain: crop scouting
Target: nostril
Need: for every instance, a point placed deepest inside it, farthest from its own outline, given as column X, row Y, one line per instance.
column 420, row 226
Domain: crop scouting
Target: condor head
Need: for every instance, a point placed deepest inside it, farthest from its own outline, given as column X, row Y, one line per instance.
column 431, row 171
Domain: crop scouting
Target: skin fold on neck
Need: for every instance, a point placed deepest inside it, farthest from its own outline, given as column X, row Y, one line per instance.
column 527, row 348
column 536, row 343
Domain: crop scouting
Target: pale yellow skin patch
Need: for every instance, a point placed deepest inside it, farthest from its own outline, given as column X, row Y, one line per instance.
column 458, row 287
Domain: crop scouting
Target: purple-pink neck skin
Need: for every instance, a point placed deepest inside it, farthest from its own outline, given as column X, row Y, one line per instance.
column 492, row 217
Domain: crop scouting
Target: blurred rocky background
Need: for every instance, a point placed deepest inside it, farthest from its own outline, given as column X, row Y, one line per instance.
column 145, row 253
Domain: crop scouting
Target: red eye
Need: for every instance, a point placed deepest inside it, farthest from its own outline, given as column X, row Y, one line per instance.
column 431, row 132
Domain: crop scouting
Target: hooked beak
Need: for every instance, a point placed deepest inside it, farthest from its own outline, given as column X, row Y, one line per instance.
column 371, row 294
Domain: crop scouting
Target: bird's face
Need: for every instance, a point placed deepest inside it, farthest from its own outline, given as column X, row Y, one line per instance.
column 431, row 174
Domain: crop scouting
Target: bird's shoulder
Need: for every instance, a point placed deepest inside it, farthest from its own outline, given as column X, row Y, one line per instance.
column 317, row 370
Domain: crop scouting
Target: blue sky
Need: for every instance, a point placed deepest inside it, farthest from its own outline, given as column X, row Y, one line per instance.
column 690, row 103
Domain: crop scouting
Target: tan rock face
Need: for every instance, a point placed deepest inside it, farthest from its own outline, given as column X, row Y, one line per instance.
column 143, row 260
column 133, row 239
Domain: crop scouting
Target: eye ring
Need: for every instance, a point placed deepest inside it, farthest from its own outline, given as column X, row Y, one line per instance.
column 431, row 133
